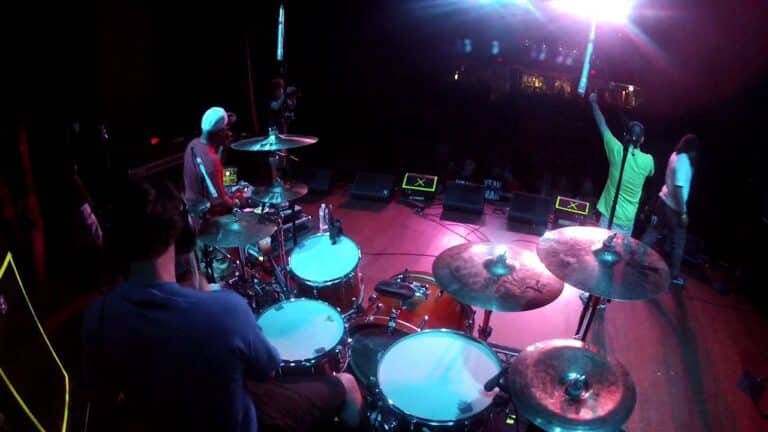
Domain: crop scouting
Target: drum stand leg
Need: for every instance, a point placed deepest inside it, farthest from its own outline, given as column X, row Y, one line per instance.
column 587, row 316
column 281, row 269
column 485, row 330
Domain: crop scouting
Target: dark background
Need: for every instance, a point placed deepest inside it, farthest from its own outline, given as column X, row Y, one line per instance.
column 376, row 88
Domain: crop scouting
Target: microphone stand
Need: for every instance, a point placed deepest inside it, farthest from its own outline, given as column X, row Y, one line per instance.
column 606, row 256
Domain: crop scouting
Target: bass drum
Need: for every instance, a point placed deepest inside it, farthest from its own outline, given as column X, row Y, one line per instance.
column 387, row 319
column 433, row 381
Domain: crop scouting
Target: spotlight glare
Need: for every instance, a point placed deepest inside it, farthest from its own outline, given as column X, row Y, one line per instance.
column 616, row 11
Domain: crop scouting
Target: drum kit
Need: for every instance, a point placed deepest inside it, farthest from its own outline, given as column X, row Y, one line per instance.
column 232, row 240
column 412, row 345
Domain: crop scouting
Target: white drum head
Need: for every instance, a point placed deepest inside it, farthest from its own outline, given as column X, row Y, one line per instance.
column 316, row 261
column 438, row 375
column 302, row 329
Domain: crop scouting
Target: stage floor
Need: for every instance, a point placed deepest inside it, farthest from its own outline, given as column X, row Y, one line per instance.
column 686, row 349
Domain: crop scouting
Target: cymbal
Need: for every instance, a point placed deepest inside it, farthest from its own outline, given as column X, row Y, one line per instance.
column 279, row 192
column 495, row 277
column 235, row 231
column 574, row 255
column 274, row 143
column 564, row 384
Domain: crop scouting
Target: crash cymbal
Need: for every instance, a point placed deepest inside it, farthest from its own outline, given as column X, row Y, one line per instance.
column 274, row 142
column 279, row 192
column 566, row 385
column 235, row 230
column 495, row 277
column 625, row 271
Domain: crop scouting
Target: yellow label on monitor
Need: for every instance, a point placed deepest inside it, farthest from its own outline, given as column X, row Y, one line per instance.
column 571, row 205
column 420, row 182
column 230, row 176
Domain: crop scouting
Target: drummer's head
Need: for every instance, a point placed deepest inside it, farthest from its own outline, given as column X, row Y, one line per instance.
column 215, row 126
column 147, row 219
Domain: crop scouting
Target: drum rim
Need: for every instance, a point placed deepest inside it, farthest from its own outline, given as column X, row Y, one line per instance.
column 433, row 422
column 310, row 361
column 320, row 284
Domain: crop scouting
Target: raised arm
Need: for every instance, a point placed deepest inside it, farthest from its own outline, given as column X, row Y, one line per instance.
column 599, row 118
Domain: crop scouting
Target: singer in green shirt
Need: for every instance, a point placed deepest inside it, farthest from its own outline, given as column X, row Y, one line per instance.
column 638, row 166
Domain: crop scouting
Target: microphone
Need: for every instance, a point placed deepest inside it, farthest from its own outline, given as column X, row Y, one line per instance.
column 494, row 381
column 334, row 227
column 208, row 183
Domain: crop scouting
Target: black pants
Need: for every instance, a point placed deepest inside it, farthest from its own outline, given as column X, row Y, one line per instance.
column 667, row 221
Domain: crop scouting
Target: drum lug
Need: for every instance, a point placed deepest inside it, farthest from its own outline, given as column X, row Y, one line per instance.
column 378, row 307
column 373, row 298
column 440, row 294
column 392, row 320
column 423, row 322
column 471, row 323
column 421, row 291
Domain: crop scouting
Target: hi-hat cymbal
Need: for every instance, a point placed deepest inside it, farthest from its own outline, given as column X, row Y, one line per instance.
column 235, row 230
column 495, row 277
column 575, row 255
column 566, row 385
column 279, row 192
column 274, row 142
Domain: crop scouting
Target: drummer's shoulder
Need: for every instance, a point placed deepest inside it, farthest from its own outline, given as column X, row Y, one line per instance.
column 225, row 301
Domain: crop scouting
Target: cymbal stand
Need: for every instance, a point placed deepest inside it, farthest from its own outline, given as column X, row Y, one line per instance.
column 607, row 258
column 485, row 330
column 587, row 316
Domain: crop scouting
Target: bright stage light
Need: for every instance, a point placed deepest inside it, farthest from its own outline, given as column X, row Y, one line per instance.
column 502, row 2
column 616, row 11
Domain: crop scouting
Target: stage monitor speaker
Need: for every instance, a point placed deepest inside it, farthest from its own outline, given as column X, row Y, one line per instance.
column 318, row 180
column 530, row 209
column 464, row 197
column 372, row 186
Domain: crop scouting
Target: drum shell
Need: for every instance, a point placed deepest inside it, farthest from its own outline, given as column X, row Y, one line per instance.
column 341, row 282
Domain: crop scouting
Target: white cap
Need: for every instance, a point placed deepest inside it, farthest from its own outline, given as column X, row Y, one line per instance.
column 214, row 119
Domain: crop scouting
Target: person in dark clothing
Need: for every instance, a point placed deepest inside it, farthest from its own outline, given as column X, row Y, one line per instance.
column 174, row 358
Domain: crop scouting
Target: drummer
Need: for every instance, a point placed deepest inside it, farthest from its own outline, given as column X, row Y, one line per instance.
column 215, row 135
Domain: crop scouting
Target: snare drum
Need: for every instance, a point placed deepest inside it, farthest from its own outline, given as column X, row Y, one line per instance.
column 433, row 380
column 326, row 271
column 310, row 336
column 430, row 308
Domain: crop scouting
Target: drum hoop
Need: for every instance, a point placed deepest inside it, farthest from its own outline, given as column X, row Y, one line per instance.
column 381, row 321
column 432, row 422
column 311, row 361
column 320, row 284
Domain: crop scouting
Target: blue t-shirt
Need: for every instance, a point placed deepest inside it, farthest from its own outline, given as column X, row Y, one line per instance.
column 180, row 356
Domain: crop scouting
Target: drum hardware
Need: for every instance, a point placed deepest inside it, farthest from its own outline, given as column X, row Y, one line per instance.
column 392, row 320
column 505, row 353
column 605, row 265
column 423, row 322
